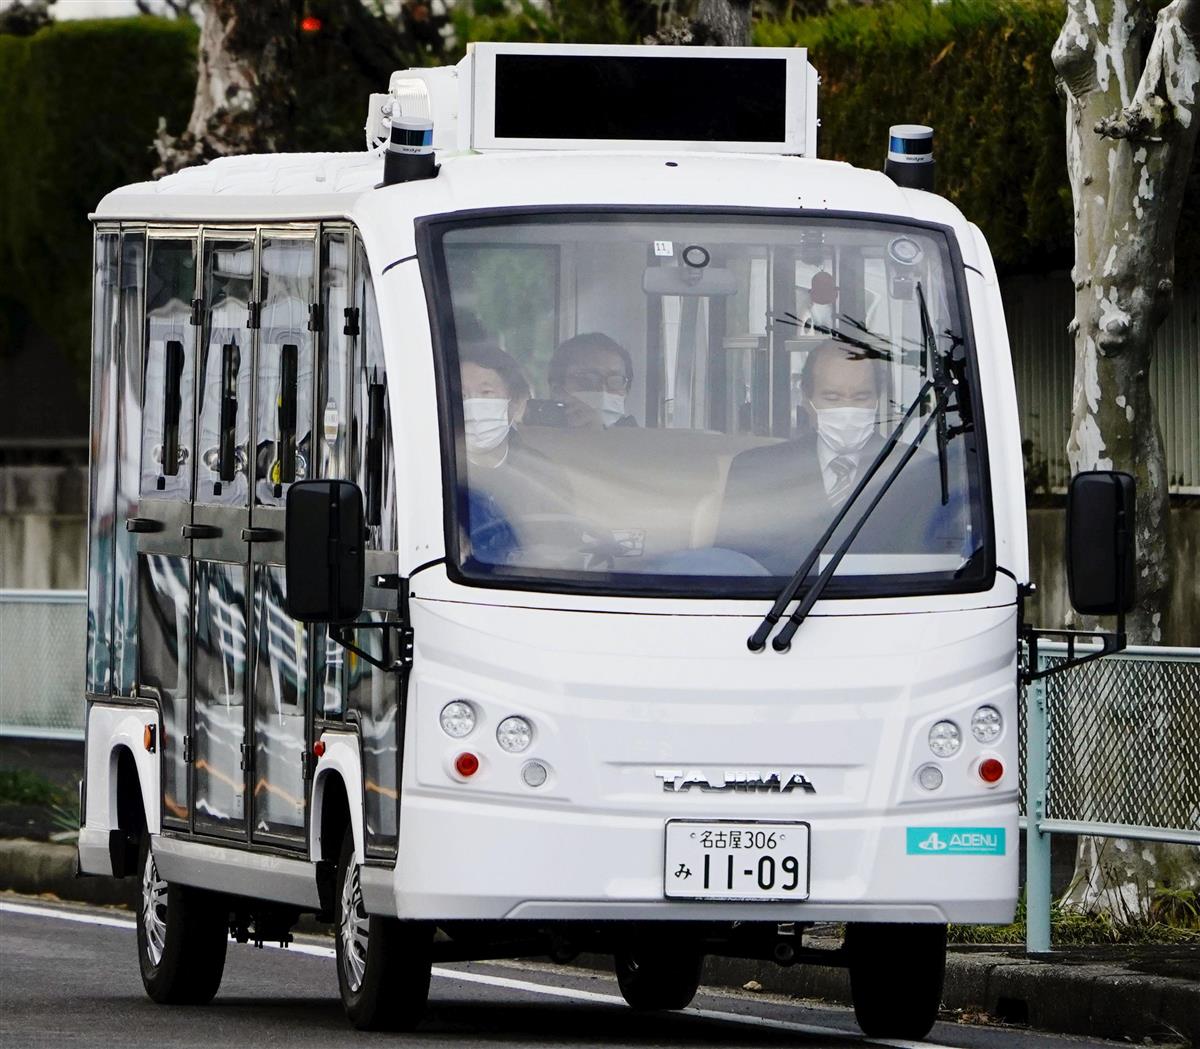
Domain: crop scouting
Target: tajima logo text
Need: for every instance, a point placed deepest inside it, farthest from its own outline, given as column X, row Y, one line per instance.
column 750, row 780
column 955, row 841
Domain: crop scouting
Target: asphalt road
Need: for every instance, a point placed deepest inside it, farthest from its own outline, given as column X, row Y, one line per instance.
column 69, row 977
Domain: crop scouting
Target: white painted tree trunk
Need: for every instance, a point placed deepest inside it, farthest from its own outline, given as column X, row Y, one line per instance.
column 244, row 87
column 1132, row 119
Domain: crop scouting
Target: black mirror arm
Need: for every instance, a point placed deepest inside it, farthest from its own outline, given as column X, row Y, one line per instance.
column 396, row 663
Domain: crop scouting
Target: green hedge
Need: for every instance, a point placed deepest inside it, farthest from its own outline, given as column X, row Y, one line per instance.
column 79, row 108
column 979, row 72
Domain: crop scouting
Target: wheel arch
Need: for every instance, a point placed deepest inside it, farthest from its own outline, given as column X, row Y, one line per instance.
column 337, row 798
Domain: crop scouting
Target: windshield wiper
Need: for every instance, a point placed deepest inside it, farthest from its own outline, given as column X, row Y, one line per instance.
column 758, row 640
column 937, row 368
column 783, row 640
column 941, row 382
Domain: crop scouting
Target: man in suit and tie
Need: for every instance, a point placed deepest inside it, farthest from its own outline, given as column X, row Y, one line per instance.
column 780, row 498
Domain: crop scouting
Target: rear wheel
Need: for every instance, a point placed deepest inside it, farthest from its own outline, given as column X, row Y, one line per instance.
column 383, row 964
column 896, row 974
column 182, row 933
column 653, row 978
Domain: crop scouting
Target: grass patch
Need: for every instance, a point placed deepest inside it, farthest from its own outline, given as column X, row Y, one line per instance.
column 21, row 787
column 1071, row 929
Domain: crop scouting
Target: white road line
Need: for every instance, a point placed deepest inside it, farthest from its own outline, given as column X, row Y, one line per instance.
column 507, row 983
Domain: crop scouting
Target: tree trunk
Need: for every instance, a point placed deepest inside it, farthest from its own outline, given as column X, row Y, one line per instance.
column 1132, row 119
column 245, row 91
column 725, row 22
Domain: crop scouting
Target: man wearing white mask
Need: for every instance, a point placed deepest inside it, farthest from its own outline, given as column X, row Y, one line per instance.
column 841, row 400
column 591, row 375
column 802, row 483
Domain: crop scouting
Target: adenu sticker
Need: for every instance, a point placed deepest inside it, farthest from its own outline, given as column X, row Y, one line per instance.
column 955, row 841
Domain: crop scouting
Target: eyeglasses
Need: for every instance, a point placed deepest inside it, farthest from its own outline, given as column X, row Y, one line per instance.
column 608, row 382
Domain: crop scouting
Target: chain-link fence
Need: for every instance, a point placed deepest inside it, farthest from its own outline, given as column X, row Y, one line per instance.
column 42, row 636
column 1124, row 740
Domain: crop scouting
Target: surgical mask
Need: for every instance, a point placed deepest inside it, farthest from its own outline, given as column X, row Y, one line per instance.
column 845, row 429
column 486, row 422
column 610, row 406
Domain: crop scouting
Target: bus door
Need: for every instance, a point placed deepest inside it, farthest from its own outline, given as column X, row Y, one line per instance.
column 283, row 453
column 220, row 649
column 373, row 695
column 163, row 515
column 356, row 444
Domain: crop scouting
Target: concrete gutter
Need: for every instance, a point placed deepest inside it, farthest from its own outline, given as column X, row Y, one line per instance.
column 1072, row 995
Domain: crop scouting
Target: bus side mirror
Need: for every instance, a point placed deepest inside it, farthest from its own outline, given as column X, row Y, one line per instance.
column 324, row 547
column 1101, row 576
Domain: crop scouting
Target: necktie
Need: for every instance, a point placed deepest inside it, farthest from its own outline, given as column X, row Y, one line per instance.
column 843, row 474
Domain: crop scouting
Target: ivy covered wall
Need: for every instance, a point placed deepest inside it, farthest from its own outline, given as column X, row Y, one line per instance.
column 980, row 74
column 80, row 104
column 79, row 107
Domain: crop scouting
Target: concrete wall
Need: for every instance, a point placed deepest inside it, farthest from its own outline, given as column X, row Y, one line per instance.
column 43, row 527
column 1047, row 534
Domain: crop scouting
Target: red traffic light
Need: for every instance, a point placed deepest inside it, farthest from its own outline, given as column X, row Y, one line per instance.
column 310, row 24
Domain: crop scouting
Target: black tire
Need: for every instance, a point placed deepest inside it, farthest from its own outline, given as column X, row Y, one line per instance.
column 656, row 978
column 896, row 974
column 383, row 965
column 182, row 933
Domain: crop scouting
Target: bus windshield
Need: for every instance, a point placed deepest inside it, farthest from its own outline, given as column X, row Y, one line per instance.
column 680, row 404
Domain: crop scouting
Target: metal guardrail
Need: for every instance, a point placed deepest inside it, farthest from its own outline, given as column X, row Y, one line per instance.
column 42, row 636
column 1110, row 750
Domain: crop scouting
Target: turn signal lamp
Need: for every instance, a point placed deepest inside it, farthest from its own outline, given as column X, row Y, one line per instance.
column 148, row 738
column 466, row 764
column 991, row 770
column 930, row 777
column 534, row 773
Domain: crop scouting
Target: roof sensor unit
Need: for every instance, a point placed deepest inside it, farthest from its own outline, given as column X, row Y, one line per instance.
column 910, row 156
column 409, row 155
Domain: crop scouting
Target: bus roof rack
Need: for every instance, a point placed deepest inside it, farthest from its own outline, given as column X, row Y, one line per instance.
column 610, row 97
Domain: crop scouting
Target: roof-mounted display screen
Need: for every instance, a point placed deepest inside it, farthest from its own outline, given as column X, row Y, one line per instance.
column 641, row 97
column 593, row 96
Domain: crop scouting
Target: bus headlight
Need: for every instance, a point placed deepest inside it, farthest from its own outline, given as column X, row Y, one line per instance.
column 986, row 724
column 945, row 739
column 458, row 719
column 514, row 735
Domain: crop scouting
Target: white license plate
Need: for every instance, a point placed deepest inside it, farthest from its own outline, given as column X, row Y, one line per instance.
column 728, row 860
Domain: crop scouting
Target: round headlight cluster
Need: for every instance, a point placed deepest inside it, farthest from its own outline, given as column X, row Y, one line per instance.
column 514, row 735
column 458, row 719
column 987, row 724
column 945, row 739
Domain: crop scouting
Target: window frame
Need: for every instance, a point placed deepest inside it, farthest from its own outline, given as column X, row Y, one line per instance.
column 430, row 231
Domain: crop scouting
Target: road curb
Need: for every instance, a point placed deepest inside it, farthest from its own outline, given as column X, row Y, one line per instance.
column 40, row 868
column 1101, row 1000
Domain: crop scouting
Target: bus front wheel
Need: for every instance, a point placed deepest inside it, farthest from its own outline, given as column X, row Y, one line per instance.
column 383, row 965
column 182, row 933
column 896, row 974
column 653, row 978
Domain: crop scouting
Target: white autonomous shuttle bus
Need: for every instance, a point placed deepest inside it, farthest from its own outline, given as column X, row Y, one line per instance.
column 583, row 521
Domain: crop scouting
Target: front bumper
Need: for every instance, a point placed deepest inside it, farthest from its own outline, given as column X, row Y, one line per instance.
column 464, row 860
